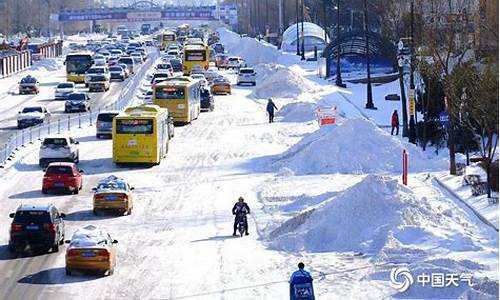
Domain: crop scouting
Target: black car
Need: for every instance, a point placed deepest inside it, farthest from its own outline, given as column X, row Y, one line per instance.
column 176, row 64
column 77, row 102
column 206, row 100
column 36, row 227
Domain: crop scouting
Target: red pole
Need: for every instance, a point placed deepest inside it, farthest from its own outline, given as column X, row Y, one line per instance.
column 405, row 167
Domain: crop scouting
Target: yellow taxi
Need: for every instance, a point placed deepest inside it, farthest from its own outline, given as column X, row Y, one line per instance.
column 221, row 85
column 113, row 194
column 91, row 249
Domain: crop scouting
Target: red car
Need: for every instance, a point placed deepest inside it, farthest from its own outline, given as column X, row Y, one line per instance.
column 62, row 176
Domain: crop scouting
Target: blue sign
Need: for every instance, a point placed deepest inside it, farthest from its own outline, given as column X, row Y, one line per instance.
column 139, row 15
column 444, row 119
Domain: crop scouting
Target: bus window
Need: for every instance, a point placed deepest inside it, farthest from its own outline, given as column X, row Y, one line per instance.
column 134, row 126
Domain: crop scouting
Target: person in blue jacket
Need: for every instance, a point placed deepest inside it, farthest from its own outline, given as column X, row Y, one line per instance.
column 270, row 110
column 301, row 287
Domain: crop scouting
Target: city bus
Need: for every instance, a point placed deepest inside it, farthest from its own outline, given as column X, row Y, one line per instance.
column 181, row 96
column 195, row 55
column 76, row 66
column 140, row 135
column 166, row 39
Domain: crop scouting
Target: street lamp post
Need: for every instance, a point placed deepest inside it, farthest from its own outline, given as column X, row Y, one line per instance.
column 297, row 24
column 303, row 57
column 338, row 78
column 403, row 95
column 369, row 96
column 412, row 138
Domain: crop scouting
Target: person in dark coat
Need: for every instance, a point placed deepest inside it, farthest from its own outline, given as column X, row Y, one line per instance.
column 301, row 286
column 395, row 122
column 270, row 110
column 240, row 210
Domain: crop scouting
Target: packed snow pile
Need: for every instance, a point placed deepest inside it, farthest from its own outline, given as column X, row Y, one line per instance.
column 250, row 49
column 360, row 219
column 298, row 112
column 355, row 146
column 265, row 70
column 284, row 83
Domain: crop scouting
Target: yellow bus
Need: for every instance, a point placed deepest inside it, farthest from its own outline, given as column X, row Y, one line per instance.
column 166, row 39
column 140, row 135
column 181, row 96
column 77, row 65
column 195, row 55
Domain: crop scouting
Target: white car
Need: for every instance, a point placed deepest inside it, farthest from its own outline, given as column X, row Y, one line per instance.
column 236, row 62
column 58, row 148
column 201, row 78
column 97, row 70
column 63, row 90
column 99, row 60
column 164, row 68
column 32, row 115
column 167, row 57
column 175, row 53
column 246, row 75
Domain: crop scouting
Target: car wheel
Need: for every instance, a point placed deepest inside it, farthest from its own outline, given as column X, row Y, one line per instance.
column 68, row 272
column 76, row 191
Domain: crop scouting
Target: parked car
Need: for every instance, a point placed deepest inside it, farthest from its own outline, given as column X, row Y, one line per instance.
column 58, row 148
column 62, row 176
column 206, row 100
column 221, row 85
column 91, row 249
column 113, row 194
column 29, row 85
column 63, row 90
column 36, row 227
column 246, row 75
column 77, row 102
column 104, row 124
column 117, row 73
column 32, row 115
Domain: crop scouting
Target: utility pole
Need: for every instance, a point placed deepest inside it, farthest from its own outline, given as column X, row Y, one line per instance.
column 303, row 51
column 297, row 24
column 280, row 16
column 338, row 78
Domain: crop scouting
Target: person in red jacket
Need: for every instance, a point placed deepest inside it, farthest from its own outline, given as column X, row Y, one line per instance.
column 395, row 122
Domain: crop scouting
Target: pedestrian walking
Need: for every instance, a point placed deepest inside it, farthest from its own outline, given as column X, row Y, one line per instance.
column 395, row 122
column 270, row 110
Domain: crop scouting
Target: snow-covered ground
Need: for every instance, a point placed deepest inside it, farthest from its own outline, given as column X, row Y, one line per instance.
column 330, row 197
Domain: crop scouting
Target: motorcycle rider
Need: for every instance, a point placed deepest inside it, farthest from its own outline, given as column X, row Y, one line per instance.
column 240, row 210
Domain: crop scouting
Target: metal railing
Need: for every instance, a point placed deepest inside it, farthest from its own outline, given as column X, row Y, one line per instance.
column 66, row 123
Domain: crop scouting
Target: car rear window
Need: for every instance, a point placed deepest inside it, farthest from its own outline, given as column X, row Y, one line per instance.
column 116, row 69
column 64, row 86
column 106, row 117
column 59, row 170
column 127, row 60
column 76, row 96
column 55, row 141
column 32, row 216
column 32, row 109
column 246, row 71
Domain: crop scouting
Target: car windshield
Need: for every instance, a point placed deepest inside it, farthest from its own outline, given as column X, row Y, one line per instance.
column 220, row 80
column 127, row 60
column 59, row 170
column 64, row 86
column 106, row 117
column 96, row 71
column 32, row 109
column 115, row 69
column 28, row 80
column 112, row 185
column 76, row 97
column 55, row 141
column 32, row 216
column 163, row 66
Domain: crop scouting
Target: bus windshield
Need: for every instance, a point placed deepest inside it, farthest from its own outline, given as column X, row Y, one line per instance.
column 196, row 55
column 134, row 126
column 170, row 93
column 78, row 63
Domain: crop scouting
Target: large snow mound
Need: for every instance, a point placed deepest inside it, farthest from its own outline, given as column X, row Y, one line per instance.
column 360, row 219
column 265, row 70
column 298, row 112
column 284, row 83
column 250, row 49
column 356, row 146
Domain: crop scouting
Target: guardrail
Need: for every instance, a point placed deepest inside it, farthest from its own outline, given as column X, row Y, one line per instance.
column 12, row 63
column 66, row 123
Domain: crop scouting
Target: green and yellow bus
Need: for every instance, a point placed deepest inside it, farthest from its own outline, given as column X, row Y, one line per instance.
column 195, row 54
column 140, row 135
column 181, row 96
column 166, row 38
column 77, row 65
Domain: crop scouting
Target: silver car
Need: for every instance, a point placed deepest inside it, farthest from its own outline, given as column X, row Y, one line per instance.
column 104, row 124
